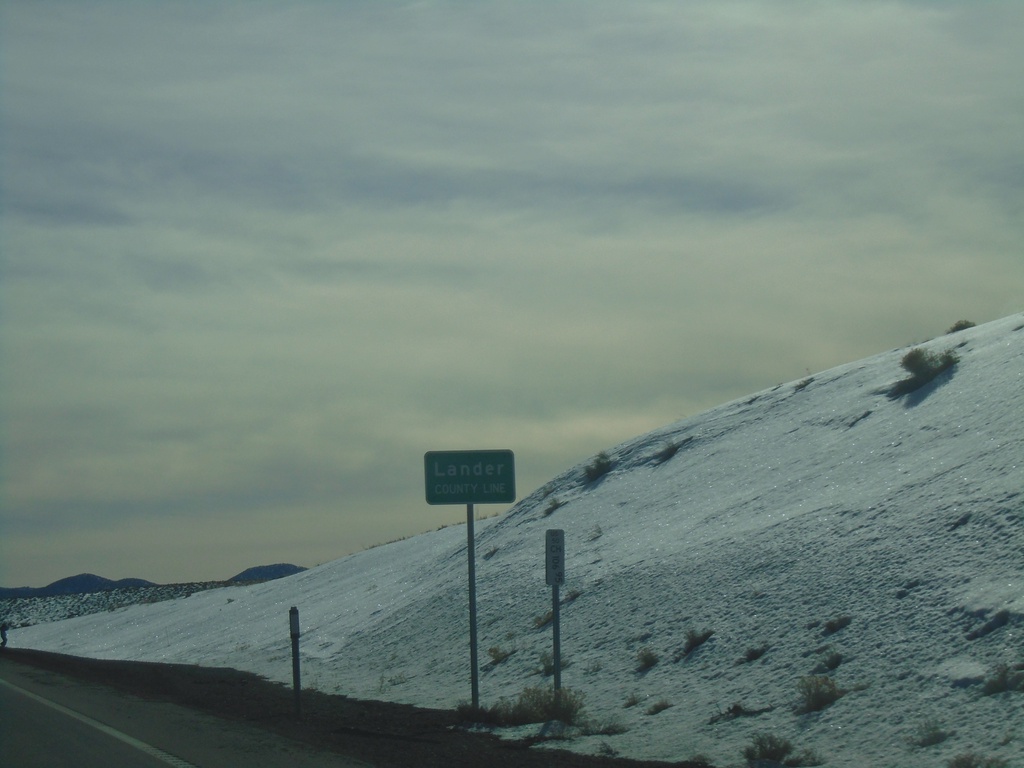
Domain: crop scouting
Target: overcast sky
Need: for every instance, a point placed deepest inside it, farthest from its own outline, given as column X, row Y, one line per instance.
column 257, row 258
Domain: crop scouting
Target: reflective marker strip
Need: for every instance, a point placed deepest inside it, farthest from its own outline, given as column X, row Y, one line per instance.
column 142, row 746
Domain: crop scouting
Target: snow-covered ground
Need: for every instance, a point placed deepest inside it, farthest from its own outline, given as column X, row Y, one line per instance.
column 779, row 517
column 22, row 611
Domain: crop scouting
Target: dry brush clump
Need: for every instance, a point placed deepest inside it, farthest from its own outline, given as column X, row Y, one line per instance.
column 659, row 706
column 542, row 620
column 960, row 325
column 774, row 749
column 599, row 467
column 538, row 704
column 817, row 692
column 553, row 505
column 499, row 654
column 923, row 366
column 753, row 653
column 694, row 640
column 646, row 658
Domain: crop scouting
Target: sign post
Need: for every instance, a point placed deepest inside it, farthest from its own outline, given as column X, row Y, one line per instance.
column 470, row 477
column 555, row 573
column 474, row 657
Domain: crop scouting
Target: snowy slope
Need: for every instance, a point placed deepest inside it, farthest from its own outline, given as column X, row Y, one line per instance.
column 814, row 501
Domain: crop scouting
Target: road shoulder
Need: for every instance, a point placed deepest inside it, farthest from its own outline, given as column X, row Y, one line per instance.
column 198, row 738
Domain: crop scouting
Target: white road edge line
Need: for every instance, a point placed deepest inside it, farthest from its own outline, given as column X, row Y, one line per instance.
column 152, row 751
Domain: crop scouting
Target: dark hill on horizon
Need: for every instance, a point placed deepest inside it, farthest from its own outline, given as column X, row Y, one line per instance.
column 86, row 583
column 73, row 585
column 268, row 572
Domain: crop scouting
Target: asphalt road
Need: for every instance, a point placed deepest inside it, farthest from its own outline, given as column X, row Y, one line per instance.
column 37, row 734
column 51, row 721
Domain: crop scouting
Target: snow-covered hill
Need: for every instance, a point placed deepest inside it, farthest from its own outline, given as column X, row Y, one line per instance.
column 821, row 527
column 86, row 594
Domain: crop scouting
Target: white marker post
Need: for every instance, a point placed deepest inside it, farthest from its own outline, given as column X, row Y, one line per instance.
column 555, row 573
column 470, row 477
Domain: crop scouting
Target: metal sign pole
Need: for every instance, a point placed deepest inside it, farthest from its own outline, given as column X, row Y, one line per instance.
column 556, row 632
column 470, row 477
column 473, row 657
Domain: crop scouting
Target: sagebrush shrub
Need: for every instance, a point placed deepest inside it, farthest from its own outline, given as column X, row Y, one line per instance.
column 541, row 704
column 960, row 325
column 646, row 658
column 553, row 505
column 659, row 706
column 818, row 692
column 772, row 748
column 599, row 467
column 534, row 705
column 919, row 362
column 768, row 746
column 923, row 366
column 694, row 640
column 754, row 653
column 499, row 654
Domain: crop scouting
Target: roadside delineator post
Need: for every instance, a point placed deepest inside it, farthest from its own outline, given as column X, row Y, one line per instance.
column 554, row 571
column 293, row 620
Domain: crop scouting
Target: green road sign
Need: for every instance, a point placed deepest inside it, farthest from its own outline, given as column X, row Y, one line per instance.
column 470, row 477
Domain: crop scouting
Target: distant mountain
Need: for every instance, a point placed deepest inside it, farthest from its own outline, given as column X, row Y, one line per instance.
column 268, row 572
column 86, row 583
column 72, row 585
